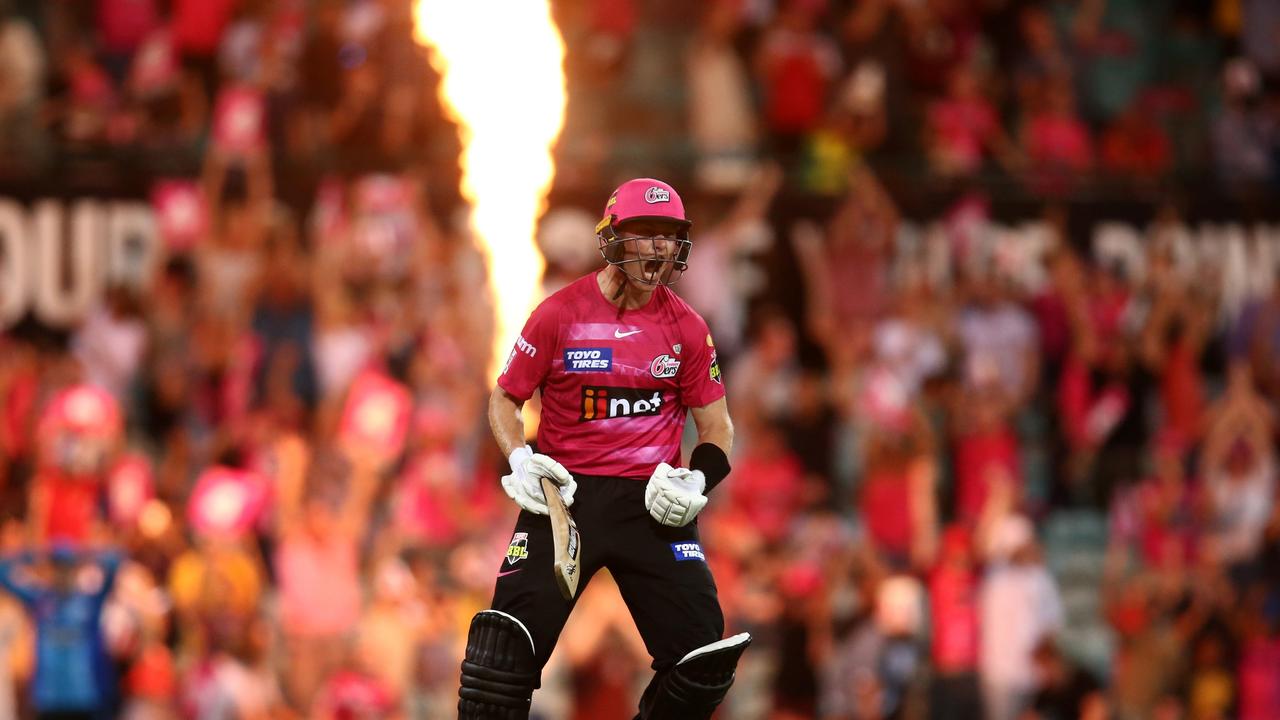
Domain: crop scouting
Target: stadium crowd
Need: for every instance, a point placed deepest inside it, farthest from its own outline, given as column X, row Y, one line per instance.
column 258, row 481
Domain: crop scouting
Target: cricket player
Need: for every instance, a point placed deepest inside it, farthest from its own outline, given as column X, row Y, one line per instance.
column 620, row 360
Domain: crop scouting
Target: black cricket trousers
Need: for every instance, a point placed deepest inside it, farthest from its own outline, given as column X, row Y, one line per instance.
column 661, row 572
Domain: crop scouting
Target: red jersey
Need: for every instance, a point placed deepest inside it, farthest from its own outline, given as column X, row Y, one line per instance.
column 73, row 506
column 616, row 385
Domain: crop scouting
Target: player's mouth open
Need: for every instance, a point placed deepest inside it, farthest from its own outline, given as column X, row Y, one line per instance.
column 652, row 266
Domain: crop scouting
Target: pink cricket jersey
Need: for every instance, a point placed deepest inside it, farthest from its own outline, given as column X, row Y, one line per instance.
column 616, row 385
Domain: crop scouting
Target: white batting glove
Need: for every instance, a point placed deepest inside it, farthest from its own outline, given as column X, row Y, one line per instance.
column 674, row 495
column 524, row 484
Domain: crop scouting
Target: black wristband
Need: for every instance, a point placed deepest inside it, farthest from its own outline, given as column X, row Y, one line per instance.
column 711, row 461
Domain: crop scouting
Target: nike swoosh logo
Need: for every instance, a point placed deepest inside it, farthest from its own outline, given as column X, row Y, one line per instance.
column 620, row 335
column 509, row 572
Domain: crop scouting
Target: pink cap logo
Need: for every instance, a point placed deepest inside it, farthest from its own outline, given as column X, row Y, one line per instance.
column 656, row 195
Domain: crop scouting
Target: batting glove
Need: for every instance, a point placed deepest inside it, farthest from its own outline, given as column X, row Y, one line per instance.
column 524, row 484
column 674, row 495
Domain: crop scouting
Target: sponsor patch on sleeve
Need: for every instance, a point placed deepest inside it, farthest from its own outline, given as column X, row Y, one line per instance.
column 714, row 371
column 688, row 551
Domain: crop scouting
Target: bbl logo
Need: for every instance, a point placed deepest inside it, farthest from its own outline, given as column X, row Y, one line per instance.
column 518, row 549
column 714, row 370
column 602, row 403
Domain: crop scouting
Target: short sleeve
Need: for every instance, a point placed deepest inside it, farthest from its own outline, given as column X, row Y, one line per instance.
column 700, row 380
column 530, row 359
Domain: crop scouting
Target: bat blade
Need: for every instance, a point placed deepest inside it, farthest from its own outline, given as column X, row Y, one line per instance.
column 564, row 532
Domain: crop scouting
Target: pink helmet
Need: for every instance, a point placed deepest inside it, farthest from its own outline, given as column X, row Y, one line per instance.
column 645, row 199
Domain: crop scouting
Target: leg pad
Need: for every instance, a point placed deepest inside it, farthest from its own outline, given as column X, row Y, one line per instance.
column 499, row 671
column 698, row 683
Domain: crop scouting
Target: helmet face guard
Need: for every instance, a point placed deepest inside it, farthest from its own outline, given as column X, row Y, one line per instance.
column 640, row 259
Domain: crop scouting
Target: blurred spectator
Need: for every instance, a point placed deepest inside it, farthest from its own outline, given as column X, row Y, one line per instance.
column 1177, row 330
column 1117, row 43
column 1056, row 142
column 1212, row 685
column 239, row 197
column 795, row 66
column 604, row 651
column 723, row 122
column 1157, row 518
column 356, row 692
column 73, row 676
column 939, row 37
column 197, row 30
column 954, row 613
column 846, row 274
column 1256, row 336
column 1238, row 467
column 431, row 501
column 1064, row 691
column 1044, row 55
column 228, row 680
column 79, row 434
column 1259, row 686
column 14, row 666
column 1243, row 134
column 909, row 338
column 811, row 434
column 1259, row 22
column 986, row 453
column 873, row 92
column 897, row 491
column 111, row 342
column 964, row 128
column 720, row 282
column 767, row 372
column 123, row 26
column 1020, row 606
column 998, row 339
column 1104, row 423
column 317, row 563
column 771, row 490
column 802, row 622
column 218, row 581
column 83, row 101
column 22, row 69
column 1136, row 146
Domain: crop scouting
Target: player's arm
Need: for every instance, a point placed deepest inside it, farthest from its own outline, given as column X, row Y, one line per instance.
column 523, row 485
column 714, row 425
column 505, row 420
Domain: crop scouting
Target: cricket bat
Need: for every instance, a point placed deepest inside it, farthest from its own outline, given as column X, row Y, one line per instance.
column 564, row 532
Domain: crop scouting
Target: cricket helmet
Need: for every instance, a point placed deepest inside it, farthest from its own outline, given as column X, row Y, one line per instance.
column 645, row 199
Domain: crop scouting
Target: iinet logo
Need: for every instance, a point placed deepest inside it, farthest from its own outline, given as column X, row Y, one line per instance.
column 604, row 403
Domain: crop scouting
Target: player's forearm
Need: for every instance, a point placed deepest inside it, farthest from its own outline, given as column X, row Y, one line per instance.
column 715, row 440
column 714, row 425
column 505, row 421
column 720, row 435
